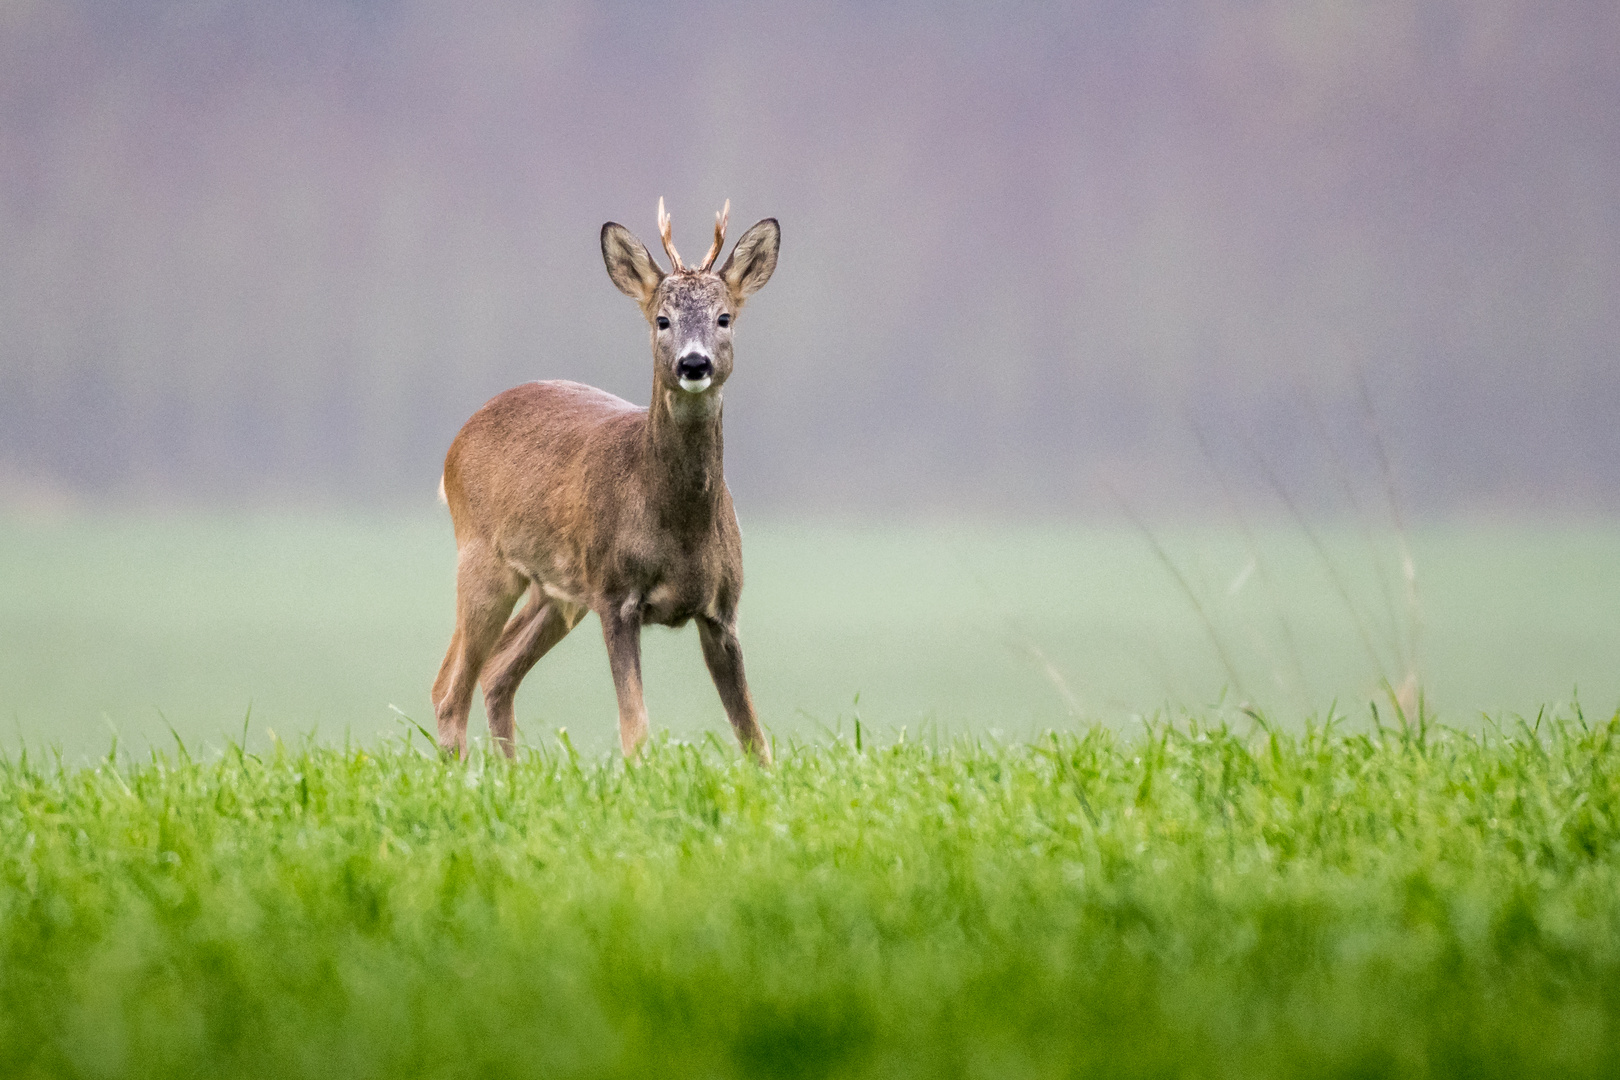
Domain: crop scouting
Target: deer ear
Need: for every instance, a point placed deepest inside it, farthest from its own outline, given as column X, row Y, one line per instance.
column 628, row 263
column 753, row 260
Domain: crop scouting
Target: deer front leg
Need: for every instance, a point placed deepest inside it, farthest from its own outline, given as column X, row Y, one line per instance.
column 722, row 652
column 621, row 630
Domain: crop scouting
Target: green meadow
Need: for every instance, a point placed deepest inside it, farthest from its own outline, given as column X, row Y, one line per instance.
column 137, row 624
column 1054, row 800
column 1197, row 900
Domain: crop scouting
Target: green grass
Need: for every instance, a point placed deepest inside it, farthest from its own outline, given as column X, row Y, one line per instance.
column 318, row 621
column 1200, row 900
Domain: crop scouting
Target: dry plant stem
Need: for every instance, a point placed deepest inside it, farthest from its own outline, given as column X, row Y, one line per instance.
column 1328, row 565
column 1053, row 675
column 1414, row 610
column 1020, row 642
column 1290, row 645
column 1341, row 469
column 1187, row 591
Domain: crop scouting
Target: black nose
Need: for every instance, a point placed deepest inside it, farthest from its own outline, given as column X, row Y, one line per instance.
column 694, row 366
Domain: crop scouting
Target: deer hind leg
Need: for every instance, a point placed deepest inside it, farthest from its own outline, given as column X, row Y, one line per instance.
column 530, row 635
column 722, row 652
column 486, row 589
column 441, row 684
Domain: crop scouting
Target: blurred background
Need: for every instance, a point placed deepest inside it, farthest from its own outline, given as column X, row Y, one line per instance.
column 1303, row 288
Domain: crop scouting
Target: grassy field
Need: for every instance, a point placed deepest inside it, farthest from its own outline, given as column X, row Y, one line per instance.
column 1195, row 901
column 1024, row 820
column 138, row 622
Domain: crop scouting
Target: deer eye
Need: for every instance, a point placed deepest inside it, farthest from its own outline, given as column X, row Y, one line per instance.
column 725, row 319
column 663, row 323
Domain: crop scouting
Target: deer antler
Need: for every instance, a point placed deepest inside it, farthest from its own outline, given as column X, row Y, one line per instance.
column 720, row 220
column 669, row 243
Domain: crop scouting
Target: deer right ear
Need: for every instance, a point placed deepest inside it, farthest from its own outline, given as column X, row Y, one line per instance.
column 628, row 263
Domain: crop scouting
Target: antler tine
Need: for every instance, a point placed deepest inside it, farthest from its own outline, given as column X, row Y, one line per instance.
column 720, row 220
column 669, row 243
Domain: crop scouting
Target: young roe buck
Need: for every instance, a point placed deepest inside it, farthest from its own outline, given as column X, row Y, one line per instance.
column 589, row 503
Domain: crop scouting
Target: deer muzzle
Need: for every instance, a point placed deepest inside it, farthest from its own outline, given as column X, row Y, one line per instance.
column 695, row 372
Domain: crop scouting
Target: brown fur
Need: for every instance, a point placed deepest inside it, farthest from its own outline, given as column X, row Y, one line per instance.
column 590, row 503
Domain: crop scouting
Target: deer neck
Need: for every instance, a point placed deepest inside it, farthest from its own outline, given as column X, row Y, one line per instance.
column 685, row 456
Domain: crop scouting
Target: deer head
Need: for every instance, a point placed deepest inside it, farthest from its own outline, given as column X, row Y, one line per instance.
column 691, row 310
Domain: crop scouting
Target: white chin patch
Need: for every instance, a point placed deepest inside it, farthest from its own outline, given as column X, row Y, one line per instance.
column 696, row 386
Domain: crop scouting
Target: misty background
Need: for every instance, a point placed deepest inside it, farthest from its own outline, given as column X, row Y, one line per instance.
column 267, row 252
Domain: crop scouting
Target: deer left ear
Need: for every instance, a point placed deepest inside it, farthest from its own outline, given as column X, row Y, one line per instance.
column 753, row 260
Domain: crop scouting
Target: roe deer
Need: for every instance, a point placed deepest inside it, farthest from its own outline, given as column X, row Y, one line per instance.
column 589, row 503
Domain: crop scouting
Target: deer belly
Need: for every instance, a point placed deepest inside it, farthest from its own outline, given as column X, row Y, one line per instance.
column 666, row 604
column 568, row 597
